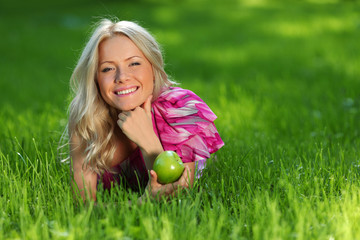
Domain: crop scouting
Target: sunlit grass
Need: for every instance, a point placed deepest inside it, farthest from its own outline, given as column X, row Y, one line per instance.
column 282, row 79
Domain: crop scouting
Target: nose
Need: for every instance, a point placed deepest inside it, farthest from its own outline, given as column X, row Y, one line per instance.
column 121, row 76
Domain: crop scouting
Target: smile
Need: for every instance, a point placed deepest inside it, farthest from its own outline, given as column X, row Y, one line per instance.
column 126, row 91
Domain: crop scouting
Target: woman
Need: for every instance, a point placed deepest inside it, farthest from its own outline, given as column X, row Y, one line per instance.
column 125, row 113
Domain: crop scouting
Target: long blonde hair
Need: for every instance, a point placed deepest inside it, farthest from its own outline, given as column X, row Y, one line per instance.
column 90, row 118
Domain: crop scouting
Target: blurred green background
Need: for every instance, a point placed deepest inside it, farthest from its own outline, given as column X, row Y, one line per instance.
column 267, row 68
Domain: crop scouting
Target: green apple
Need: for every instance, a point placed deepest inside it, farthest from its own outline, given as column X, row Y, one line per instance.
column 168, row 167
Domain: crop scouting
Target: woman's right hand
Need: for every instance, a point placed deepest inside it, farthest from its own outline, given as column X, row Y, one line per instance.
column 137, row 125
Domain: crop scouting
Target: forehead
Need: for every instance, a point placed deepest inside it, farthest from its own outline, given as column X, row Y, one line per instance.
column 118, row 46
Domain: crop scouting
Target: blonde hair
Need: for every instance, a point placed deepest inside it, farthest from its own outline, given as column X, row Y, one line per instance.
column 92, row 119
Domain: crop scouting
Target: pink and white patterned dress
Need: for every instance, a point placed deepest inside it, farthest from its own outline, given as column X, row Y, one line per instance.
column 184, row 124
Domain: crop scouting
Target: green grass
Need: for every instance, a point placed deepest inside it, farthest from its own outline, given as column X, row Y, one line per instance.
column 282, row 78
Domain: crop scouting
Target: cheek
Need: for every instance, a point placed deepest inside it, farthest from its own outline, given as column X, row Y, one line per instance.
column 104, row 82
column 103, row 87
column 150, row 86
column 151, row 79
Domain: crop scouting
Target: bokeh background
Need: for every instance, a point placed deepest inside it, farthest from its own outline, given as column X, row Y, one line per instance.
column 250, row 60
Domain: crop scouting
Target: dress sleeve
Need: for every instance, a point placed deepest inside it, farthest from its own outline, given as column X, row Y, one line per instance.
column 185, row 124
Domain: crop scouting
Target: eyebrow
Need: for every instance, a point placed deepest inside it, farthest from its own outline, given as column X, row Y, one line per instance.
column 127, row 59
column 132, row 57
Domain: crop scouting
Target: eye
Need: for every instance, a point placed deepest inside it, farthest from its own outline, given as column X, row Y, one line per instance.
column 135, row 64
column 107, row 69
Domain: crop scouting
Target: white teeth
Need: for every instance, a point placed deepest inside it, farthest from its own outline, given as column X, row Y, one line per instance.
column 126, row 91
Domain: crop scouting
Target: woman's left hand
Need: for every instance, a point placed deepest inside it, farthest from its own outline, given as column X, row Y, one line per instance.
column 157, row 190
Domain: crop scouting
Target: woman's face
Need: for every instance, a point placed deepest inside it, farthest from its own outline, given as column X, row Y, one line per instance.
column 124, row 75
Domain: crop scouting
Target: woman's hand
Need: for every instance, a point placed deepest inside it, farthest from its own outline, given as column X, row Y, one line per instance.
column 137, row 125
column 157, row 190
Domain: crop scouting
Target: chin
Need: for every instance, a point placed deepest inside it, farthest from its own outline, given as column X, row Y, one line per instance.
column 128, row 108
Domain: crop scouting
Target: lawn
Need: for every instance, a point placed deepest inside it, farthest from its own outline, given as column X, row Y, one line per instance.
column 283, row 79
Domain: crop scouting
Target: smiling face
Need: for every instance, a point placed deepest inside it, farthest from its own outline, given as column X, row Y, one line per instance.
column 124, row 74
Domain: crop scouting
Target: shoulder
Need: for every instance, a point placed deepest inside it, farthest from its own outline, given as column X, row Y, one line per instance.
column 185, row 124
column 175, row 94
column 175, row 102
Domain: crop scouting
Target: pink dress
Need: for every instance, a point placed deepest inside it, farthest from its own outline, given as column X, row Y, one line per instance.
column 184, row 124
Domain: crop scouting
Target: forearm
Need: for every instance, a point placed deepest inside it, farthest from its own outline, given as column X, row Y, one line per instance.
column 150, row 150
column 85, row 188
column 137, row 125
column 84, row 183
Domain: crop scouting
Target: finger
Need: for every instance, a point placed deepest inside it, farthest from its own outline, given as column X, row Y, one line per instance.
column 184, row 180
column 182, row 183
column 124, row 114
column 147, row 106
column 153, row 175
column 122, row 117
column 120, row 123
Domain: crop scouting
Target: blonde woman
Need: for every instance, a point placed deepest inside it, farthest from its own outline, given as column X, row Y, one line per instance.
column 125, row 112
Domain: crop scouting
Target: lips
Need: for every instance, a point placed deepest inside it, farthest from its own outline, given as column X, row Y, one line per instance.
column 127, row 91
